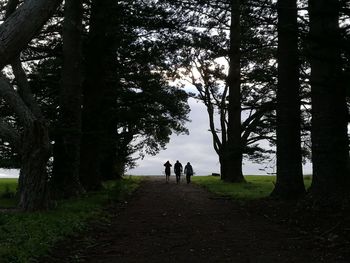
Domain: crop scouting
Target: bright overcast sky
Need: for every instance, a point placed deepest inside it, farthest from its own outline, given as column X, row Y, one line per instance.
column 195, row 148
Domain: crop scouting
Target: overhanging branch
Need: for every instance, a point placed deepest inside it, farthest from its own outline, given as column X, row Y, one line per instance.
column 12, row 98
column 21, row 26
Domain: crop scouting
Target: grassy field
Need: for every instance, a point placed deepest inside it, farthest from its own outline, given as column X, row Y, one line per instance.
column 257, row 186
column 24, row 236
column 8, row 188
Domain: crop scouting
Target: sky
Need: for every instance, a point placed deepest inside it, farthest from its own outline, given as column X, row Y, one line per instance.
column 195, row 148
column 9, row 173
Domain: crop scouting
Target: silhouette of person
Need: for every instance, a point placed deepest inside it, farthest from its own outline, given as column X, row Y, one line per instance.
column 188, row 171
column 178, row 170
column 167, row 170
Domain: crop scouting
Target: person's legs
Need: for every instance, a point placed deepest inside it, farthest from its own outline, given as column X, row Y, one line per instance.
column 167, row 178
column 177, row 178
column 188, row 178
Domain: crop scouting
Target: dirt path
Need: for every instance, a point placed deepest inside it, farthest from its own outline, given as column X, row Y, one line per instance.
column 184, row 223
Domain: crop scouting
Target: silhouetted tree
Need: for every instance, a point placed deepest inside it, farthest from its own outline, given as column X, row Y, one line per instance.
column 233, row 150
column 65, row 180
column 20, row 27
column 330, row 148
column 31, row 139
column 289, row 183
column 99, row 95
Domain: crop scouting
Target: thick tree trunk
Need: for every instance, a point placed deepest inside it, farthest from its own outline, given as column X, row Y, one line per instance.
column 232, row 151
column 35, row 146
column 33, row 187
column 330, row 151
column 65, row 180
column 289, row 182
column 34, row 150
column 22, row 25
column 93, row 89
column 99, row 94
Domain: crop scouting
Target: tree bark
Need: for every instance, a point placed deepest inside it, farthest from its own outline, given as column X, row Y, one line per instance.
column 289, row 183
column 99, row 95
column 232, row 151
column 24, row 89
column 33, row 183
column 34, row 147
column 34, row 150
column 330, row 151
column 65, row 179
column 26, row 117
column 20, row 27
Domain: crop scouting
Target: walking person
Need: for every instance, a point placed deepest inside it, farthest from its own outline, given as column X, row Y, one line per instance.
column 189, row 172
column 178, row 171
column 167, row 171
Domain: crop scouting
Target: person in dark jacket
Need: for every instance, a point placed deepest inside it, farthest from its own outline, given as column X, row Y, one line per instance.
column 178, row 171
column 188, row 171
column 167, row 171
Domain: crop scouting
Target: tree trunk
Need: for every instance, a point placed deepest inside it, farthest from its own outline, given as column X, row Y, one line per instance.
column 20, row 27
column 99, row 94
column 92, row 90
column 289, row 182
column 33, row 186
column 232, row 151
column 35, row 146
column 222, row 167
column 65, row 179
column 330, row 151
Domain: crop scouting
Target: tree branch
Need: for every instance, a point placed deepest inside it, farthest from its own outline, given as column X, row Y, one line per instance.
column 16, row 103
column 20, row 75
column 24, row 89
column 20, row 27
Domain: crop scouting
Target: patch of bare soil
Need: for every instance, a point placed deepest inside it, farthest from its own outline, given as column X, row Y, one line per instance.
column 184, row 223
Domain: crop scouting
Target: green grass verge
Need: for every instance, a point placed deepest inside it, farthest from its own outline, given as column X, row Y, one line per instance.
column 26, row 236
column 257, row 186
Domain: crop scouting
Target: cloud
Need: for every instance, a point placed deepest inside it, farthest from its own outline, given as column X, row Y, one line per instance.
column 9, row 173
column 196, row 148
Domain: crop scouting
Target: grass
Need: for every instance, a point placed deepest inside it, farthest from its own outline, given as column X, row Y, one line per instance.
column 26, row 236
column 8, row 188
column 257, row 186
